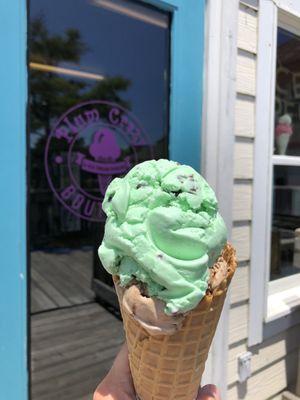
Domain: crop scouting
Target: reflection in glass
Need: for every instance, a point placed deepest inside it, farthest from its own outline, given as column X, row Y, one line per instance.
column 84, row 52
column 287, row 105
column 116, row 51
column 285, row 250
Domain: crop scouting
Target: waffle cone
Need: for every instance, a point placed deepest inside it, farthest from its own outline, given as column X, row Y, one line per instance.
column 169, row 367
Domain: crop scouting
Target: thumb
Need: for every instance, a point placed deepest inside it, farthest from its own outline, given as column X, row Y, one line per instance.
column 209, row 392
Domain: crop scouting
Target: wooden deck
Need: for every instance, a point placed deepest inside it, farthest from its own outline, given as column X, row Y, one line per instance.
column 73, row 339
column 60, row 280
column 71, row 351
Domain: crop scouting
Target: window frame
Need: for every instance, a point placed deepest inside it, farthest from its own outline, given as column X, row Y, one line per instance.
column 187, row 26
column 267, row 299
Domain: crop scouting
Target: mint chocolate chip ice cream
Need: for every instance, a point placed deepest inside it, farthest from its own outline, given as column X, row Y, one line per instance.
column 163, row 229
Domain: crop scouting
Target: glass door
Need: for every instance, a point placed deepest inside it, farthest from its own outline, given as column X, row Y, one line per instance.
column 111, row 83
column 98, row 104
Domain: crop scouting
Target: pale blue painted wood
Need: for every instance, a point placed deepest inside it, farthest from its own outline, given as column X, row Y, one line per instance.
column 187, row 57
column 169, row 5
column 187, row 82
column 13, row 310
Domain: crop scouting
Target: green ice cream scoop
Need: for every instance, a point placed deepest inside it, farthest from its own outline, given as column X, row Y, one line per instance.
column 163, row 229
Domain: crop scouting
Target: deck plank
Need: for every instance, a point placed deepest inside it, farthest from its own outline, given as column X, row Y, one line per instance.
column 56, row 271
column 72, row 352
column 60, row 280
column 41, row 301
column 49, row 289
column 43, row 319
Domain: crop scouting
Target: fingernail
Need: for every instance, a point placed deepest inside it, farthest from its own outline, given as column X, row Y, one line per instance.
column 209, row 392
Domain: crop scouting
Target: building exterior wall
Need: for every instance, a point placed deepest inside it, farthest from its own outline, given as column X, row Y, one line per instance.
column 274, row 361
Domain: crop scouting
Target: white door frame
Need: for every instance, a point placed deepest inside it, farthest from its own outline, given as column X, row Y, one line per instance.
column 218, row 144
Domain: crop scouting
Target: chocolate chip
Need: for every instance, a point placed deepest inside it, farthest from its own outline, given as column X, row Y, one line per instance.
column 176, row 192
column 110, row 197
column 160, row 256
column 139, row 185
column 143, row 289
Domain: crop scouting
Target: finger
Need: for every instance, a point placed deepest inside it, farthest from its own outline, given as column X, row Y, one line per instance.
column 117, row 384
column 209, row 392
column 120, row 371
column 121, row 362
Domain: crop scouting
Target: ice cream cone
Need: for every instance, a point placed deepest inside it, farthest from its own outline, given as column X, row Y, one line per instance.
column 283, row 133
column 282, row 142
column 168, row 367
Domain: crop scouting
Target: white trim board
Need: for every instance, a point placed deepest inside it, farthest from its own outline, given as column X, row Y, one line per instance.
column 290, row 6
column 281, row 324
column 260, row 241
column 218, row 145
column 293, row 161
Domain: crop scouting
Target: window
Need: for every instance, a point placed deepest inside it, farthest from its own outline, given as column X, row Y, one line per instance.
column 275, row 261
column 285, row 234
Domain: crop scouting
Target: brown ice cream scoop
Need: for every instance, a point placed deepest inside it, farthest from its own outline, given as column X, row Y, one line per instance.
column 149, row 311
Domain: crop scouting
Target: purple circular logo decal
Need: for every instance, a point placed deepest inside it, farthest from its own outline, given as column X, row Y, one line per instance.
column 89, row 145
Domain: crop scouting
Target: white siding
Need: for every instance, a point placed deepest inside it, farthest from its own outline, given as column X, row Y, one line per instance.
column 266, row 383
column 241, row 241
column 242, row 201
column 246, row 74
column 240, row 285
column 273, row 361
column 243, row 175
column 247, row 29
column 243, row 160
column 245, row 116
column 238, row 323
column 267, row 353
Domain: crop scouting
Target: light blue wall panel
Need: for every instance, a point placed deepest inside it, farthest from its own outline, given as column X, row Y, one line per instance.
column 13, row 96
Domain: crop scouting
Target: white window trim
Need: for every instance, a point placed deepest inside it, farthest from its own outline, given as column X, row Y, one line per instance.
column 268, row 305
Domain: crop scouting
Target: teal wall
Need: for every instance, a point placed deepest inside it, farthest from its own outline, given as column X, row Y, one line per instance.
column 13, row 297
